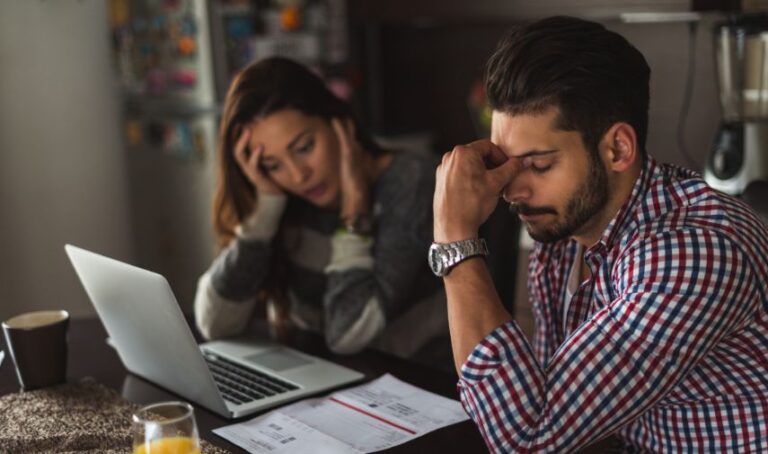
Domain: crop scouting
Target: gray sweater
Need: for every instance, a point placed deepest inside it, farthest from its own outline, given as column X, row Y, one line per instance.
column 357, row 291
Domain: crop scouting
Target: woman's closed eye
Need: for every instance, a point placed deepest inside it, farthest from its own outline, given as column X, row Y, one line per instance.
column 270, row 166
column 306, row 147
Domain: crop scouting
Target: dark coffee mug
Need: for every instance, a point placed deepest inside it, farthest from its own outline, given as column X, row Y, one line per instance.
column 37, row 342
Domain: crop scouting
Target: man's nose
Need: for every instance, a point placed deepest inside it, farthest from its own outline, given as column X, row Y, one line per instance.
column 517, row 190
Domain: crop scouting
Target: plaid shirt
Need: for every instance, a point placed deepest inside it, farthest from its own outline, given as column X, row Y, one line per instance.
column 666, row 346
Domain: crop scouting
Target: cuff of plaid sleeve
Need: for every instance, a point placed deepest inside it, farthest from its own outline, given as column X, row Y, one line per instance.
column 350, row 250
column 263, row 223
column 489, row 353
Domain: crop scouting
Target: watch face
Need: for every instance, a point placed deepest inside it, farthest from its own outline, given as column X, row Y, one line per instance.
column 435, row 262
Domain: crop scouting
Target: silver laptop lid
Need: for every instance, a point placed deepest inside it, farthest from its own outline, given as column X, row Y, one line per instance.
column 141, row 315
column 148, row 329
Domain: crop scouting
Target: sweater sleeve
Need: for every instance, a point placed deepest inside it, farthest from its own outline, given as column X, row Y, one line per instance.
column 373, row 279
column 226, row 293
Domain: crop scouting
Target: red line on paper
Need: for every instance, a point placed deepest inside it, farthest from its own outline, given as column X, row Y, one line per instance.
column 352, row 407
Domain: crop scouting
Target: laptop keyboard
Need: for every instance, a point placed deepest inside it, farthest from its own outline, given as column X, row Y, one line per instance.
column 241, row 385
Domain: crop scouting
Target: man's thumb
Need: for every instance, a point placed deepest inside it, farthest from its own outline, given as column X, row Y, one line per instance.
column 501, row 176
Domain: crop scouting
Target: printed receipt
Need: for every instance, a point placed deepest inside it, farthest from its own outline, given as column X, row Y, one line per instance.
column 378, row 415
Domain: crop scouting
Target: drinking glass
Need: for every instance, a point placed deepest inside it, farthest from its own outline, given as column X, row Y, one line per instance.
column 165, row 428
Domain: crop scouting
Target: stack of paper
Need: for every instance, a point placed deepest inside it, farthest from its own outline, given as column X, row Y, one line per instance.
column 378, row 415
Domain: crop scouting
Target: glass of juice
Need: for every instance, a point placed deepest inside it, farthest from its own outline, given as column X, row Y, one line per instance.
column 165, row 428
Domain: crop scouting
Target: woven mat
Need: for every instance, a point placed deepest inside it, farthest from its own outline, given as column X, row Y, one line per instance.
column 84, row 417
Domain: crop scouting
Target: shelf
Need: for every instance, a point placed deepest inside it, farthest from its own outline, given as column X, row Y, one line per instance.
column 427, row 12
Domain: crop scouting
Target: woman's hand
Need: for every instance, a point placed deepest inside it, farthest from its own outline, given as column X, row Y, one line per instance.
column 355, row 172
column 249, row 161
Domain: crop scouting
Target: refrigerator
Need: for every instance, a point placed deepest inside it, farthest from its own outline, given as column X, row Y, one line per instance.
column 173, row 61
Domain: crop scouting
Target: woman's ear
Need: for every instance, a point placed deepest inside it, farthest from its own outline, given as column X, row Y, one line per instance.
column 620, row 145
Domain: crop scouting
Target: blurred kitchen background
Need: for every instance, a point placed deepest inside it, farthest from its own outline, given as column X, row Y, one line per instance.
column 108, row 110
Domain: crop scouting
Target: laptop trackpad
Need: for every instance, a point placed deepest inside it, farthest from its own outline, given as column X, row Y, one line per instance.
column 277, row 359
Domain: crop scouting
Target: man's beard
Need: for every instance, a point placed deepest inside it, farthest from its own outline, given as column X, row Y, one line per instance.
column 587, row 201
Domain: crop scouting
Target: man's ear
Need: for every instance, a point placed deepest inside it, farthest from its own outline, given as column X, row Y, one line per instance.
column 620, row 147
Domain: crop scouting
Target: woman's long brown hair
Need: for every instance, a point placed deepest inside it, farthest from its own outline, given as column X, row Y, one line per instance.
column 263, row 88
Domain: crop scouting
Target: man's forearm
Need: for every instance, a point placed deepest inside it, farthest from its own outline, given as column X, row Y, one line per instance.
column 474, row 307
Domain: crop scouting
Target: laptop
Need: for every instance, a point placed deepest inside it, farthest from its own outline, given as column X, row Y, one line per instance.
column 232, row 378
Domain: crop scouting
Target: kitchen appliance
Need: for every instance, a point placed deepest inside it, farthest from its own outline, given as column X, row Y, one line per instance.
column 739, row 155
column 164, row 67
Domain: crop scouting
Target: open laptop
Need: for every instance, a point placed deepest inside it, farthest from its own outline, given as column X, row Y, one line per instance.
column 233, row 378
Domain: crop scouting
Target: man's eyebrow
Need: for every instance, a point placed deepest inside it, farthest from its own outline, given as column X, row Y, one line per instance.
column 534, row 153
column 298, row 137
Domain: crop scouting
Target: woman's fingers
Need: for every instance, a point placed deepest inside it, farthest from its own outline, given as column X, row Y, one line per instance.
column 241, row 148
column 254, row 161
column 341, row 135
column 350, row 130
column 249, row 159
column 345, row 133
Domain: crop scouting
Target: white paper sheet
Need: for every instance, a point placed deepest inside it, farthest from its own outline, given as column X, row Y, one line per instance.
column 378, row 415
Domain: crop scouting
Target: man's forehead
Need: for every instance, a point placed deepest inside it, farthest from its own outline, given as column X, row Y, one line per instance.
column 507, row 126
column 549, row 115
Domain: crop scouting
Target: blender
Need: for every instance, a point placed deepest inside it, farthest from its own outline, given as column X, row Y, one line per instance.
column 739, row 157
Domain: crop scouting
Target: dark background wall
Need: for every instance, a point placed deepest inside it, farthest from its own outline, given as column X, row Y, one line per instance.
column 419, row 60
column 421, row 77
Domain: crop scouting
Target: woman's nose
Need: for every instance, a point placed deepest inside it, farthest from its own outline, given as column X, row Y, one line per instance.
column 299, row 171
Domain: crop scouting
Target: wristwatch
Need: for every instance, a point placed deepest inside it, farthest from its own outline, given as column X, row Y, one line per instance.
column 444, row 256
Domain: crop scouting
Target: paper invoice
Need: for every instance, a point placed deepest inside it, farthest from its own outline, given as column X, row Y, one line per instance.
column 378, row 415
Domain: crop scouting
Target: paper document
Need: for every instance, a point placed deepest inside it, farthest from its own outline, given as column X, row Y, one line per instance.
column 378, row 415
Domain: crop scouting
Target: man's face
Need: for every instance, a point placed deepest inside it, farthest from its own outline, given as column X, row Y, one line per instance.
column 561, row 187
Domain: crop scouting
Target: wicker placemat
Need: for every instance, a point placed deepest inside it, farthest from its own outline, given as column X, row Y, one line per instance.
column 84, row 417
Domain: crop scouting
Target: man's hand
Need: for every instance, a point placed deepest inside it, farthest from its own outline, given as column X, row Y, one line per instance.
column 468, row 184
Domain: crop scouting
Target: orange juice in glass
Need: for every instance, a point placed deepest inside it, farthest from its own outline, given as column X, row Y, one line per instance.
column 165, row 428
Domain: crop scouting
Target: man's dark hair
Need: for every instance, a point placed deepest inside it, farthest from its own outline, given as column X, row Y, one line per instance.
column 594, row 76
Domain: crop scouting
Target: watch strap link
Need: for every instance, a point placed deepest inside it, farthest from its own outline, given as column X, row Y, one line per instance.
column 464, row 249
column 444, row 256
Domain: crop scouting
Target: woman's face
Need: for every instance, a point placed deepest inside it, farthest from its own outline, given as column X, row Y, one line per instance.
column 301, row 155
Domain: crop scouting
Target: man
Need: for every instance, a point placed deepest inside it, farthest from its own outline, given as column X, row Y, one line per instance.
column 649, row 287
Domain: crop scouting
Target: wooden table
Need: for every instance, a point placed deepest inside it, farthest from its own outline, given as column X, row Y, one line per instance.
column 89, row 355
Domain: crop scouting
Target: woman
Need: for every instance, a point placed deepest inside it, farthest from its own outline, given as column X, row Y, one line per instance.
column 312, row 216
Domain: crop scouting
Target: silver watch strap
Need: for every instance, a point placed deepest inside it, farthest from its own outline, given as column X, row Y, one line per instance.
column 464, row 249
